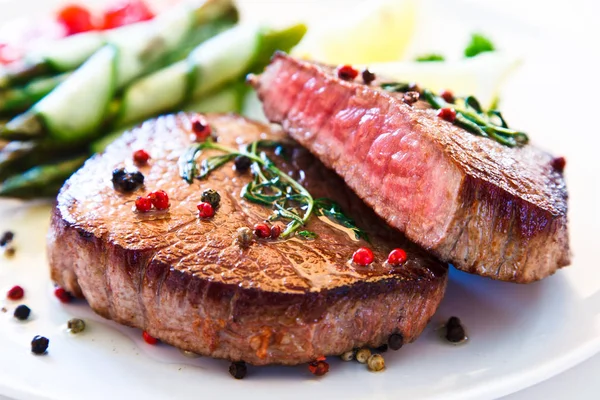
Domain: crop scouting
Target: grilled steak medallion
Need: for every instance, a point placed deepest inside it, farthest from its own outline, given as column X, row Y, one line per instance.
column 187, row 282
column 488, row 209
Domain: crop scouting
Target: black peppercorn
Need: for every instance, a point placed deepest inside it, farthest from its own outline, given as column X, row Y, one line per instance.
column 242, row 164
column 125, row 181
column 211, row 197
column 39, row 345
column 22, row 312
column 238, row 369
column 395, row 341
column 410, row 98
column 455, row 332
column 382, row 349
column 368, row 76
column 6, row 238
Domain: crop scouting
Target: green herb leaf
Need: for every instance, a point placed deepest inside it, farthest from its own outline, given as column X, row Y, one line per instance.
column 433, row 57
column 396, row 86
column 478, row 44
column 308, row 234
column 330, row 208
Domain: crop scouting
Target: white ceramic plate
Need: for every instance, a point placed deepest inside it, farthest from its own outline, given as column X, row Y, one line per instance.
column 519, row 335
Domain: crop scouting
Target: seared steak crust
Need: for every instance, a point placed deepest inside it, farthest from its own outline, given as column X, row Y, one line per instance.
column 187, row 282
column 486, row 208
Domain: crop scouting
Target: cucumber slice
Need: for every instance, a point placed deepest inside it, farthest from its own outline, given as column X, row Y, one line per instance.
column 75, row 109
column 223, row 58
column 228, row 99
column 68, row 53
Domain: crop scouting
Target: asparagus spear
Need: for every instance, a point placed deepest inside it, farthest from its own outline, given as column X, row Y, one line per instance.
column 21, row 98
column 159, row 36
column 41, row 181
column 221, row 59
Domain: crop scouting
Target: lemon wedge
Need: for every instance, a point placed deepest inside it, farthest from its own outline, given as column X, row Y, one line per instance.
column 480, row 76
column 373, row 31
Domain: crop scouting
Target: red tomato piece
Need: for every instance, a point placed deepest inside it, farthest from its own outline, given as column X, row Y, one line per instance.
column 126, row 12
column 76, row 19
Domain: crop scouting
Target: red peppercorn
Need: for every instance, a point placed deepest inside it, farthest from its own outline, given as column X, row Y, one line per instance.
column 205, row 209
column 75, row 19
column 347, row 73
column 148, row 338
column 275, row 231
column 396, row 257
column 319, row 367
column 447, row 114
column 143, row 204
column 201, row 128
column 363, row 256
column 160, row 199
column 447, row 95
column 559, row 164
column 141, row 157
column 15, row 293
column 63, row 295
column 262, row 231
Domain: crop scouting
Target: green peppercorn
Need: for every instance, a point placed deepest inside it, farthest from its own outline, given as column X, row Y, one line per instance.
column 348, row 356
column 244, row 237
column 376, row 363
column 76, row 325
column 363, row 355
column 211, row 197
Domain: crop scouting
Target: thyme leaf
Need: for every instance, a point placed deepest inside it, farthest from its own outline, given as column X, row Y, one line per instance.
column 269, row 186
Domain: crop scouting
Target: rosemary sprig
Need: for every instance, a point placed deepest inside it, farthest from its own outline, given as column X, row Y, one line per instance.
column 269, row 186
column 470, row 116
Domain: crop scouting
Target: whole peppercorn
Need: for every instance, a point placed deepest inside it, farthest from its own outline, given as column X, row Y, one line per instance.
column 242, row 164
column 76, row 325
column 238, row 369
column 143, row 204
column 396, row 257
column 6, row 238
column 149, row 338
column 262, row 231
column 447, row 114
column 205, row 210
column 125, row 181
column 22, row 312
column 448, row 96
column 275, row 231
column 200, row 128
column 319, row 367
column 9, row 251
column 141, row 157
column 39, row 345
column 376, row 363
column 363, row 355
column 347, row 73
column 15, row 293
column 382, row 349
column 559, row 164
column 348, row 356
column 395, row 341
column 159, row 199
column 244, row 237
column 62, row 295
column 363, row 256
column 410, row 97
column 368, row 76
column 212, row 197
column 455, row 332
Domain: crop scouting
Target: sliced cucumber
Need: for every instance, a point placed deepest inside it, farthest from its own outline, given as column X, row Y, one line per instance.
column 76, row 108
column 68, row 53
column 228, row 99
column 223, row 58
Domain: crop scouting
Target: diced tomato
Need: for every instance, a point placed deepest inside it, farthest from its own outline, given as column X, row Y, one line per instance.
column 75, row 18
column 126, row 12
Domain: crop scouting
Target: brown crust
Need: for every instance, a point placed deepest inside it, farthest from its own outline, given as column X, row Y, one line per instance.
column 486, row 208
column 273, row 309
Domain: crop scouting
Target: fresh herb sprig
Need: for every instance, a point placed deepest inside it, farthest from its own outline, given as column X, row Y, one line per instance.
column 470, row 116
column 269, row 186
